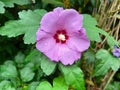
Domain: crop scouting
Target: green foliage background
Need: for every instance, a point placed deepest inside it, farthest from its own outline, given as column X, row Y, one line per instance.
column 22, row 67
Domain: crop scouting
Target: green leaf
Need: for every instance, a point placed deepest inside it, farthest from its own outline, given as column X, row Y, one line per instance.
column 111, row 41
column 73, row 76
column 2, row 10
column 30, row 65
column 19, row 58
column 47, row 66
column 105, row 62
column 9, row 62
column 34, row 57
column 54, row 2
column 6, row 85
column 8, row 71
column 58, row 82
column 26, row 74
column 33, row 85
column 15, row 82
column 39, row 59
column 89, row 23
column 10, row 3
column 114, row 86
column 89, row 56
column 93, row 32
column 44, row 85
column 28, row 25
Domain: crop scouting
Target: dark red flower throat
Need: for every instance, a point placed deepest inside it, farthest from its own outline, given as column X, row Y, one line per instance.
column 61, row 36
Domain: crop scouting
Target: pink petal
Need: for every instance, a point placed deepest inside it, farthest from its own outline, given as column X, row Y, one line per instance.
column 49, row 22
column 58, row 10
column 70, row 20
column 67, row 55
column 60, row 19
column 78, row 41
column 45, row 41
column 60, row 52
column 52, row 54
column 40, row 33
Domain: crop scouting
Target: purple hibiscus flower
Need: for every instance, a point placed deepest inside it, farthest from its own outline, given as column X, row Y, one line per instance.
column 116, row 51
column 61, row 36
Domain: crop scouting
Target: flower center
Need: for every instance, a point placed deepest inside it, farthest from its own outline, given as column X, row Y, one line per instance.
column 61, row 36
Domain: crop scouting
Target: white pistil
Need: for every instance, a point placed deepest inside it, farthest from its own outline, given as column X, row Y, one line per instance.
column 61, row 37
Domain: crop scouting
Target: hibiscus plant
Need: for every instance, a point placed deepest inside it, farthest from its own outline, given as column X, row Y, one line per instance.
column 59, row 45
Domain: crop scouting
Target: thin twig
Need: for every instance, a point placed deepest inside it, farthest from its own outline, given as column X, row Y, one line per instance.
column 113, row 73
column 105, row 79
